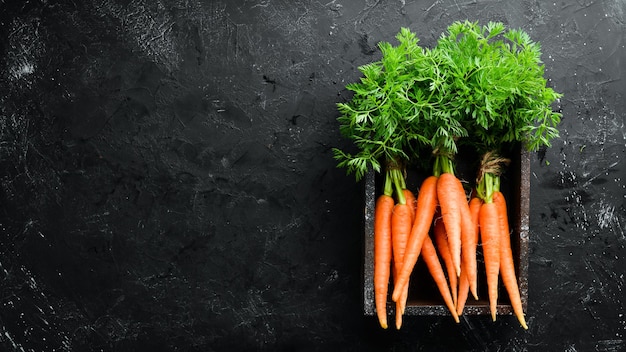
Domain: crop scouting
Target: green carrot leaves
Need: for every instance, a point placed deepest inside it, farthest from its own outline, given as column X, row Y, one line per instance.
column 483, row 85
column 496, row 81
column 380, row 117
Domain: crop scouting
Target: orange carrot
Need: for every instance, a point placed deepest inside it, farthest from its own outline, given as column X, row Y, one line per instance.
column 474, row 207
column 490, row 233
column 469, row 247
column 441, row 240
column 452, row 200
column 410, row 200
column 401, row 305
column 464, row 288
column 507, row 266
column 429, row 254
column 465, row 284
column 382, row 254
column 425, row 210
column 401, row 221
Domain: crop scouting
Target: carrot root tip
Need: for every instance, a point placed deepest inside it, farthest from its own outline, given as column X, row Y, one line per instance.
column 523, row 323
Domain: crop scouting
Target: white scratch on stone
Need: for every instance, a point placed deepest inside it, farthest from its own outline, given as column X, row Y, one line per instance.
column 431, row 6
column 26, row 68
column 602, row 172
column 610, row 345
column 150, row 29
column 15, row 345
column 605, row 215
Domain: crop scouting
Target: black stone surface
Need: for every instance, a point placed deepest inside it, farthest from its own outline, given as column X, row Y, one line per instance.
column 167, row 181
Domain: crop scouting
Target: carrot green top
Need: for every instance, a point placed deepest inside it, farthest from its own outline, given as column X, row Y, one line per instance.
column 495, row 84
column 381, row 116
column 480, row 85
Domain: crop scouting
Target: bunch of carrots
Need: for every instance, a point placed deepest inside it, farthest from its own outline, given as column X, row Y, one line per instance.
column 442, row 224
column 480, row 87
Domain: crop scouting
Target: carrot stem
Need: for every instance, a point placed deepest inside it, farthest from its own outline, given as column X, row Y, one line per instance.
column 443, row 164
column 388, row 185
column 488, row 180
column 398, row 183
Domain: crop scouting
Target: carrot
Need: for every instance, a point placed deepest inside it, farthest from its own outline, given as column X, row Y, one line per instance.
column 465, row 283
column 469, row 248
column 429, row 254
column 468, row 245
column 425, row 210
column 401, row 306
column 441, row 240
column 382, row 254
column 464, row 288
column 452, row 200
column 507, row 266
column 474, row 207
column 490, row 233
column 401, row 221
column 410, row 200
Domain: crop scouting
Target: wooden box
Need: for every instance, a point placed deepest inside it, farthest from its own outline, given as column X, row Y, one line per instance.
column 424, row 298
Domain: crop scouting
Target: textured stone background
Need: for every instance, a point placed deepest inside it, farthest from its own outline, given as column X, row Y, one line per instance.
column 167, row 181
